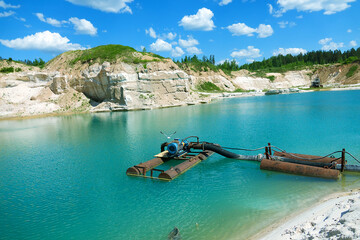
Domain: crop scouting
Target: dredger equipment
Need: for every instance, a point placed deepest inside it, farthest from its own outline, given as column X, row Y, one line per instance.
column 189, row 154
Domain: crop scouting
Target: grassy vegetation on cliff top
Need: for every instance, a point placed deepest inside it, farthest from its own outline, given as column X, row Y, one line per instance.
column 208, row 87
column 351, row 71
column 9, row 70
column 110, row 53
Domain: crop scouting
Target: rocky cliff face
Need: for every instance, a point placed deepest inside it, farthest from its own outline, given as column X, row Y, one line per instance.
column 338, row 74
column 96, row 87
column 244, row 80
column 154, row 84
column 65, row 87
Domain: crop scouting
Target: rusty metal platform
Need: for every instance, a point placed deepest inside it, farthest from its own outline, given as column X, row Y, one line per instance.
column 188, row 161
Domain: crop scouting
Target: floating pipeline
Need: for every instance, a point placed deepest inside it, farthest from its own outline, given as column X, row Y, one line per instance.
column 189, row 154
column 309, row 158
column 299, row 169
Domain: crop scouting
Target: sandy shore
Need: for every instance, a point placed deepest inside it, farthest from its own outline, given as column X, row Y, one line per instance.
column 335, row 217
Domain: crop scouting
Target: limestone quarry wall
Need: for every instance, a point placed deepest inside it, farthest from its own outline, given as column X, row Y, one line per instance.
column 121, row 86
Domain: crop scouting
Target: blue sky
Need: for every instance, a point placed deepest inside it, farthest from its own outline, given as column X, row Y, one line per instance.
column 246, row 30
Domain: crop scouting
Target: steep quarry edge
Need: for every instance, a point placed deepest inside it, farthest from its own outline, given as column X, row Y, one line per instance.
column 64, row 87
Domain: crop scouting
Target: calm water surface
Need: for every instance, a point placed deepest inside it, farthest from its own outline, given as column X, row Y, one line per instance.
column 64, row 177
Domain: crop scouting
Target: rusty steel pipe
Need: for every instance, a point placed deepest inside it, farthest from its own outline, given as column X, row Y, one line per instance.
column 303, row 162
column 304, row 157
column 184, row 166
column 142, row 168
column 299, row 169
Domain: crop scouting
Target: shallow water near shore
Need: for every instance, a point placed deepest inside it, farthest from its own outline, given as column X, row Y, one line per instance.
column 64, row 177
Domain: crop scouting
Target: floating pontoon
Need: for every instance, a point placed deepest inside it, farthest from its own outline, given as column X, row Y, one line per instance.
column 189, row 154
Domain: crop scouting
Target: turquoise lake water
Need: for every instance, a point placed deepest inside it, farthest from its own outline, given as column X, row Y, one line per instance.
column 64, row 177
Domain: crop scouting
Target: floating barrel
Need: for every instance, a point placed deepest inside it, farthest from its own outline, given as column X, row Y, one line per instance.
column 299, row 169
column 179, row 169
column 144, row 167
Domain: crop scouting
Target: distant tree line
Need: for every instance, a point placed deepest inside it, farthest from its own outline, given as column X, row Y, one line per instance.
column 36, row 62
column 229, row 65
column 198, row 64
column 196, row 59
column 207, row 62
column 310, row 58
column 275, row 63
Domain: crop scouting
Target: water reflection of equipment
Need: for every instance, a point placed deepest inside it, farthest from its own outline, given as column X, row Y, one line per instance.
column 189, row 154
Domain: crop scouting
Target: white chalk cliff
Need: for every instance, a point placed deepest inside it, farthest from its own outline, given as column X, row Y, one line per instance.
column 83, row 87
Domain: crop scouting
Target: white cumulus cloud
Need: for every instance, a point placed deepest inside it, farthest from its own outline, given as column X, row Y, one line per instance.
column 271, row 8
column 264, row 31
column 193, row 50
column 20, row 19
column 161, row 46
column 332, row 46
column 353, row 43
column 349, row 31
column 51, row 21
column 190, row 45
column 325, row 41
column 328, row 6
column 171, row 36
column 5, row 5
column 44, row 41
column 328, row 44
column 114, row 6
column 151, row 32
column 292, row 51
column 190, row 42
column 7, row 14
column 224, row 2
column 201, row 21
column 239, row 29
column 284, row 24
column 275, row 12
column 83, row 26
column 250, row 53
column 177, row 52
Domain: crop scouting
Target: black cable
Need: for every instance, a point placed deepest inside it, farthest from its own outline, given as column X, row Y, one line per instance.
column 353, row 157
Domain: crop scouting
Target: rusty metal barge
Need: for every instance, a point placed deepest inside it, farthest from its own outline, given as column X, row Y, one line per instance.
column 188, row 154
